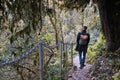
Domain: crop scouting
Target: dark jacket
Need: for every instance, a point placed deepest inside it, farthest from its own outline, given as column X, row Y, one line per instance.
column 81, row 47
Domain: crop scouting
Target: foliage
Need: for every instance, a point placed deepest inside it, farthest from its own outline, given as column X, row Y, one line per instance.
column 73, row 4
column 19, row 27
column 97, row 48
column 52, row 73
column 19, row 31
column 116, row 76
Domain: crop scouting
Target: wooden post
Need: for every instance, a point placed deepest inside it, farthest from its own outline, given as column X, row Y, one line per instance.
column 66, row 60
column 41, row 60
column 60, row 46
column 71, row 53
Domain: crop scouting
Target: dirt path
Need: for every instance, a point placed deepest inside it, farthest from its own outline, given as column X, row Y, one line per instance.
column 76, row 73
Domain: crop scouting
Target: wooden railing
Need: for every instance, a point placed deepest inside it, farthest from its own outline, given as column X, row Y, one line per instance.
column 64, row 49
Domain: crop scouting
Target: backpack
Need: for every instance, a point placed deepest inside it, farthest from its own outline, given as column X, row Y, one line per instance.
column 83, row 39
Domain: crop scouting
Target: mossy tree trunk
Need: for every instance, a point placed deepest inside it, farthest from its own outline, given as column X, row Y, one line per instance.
column 110, row 14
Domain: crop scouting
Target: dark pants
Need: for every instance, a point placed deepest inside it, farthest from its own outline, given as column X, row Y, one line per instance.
column 82, row 54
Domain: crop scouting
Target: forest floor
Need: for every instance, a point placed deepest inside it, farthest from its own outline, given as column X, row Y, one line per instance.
column 79, row 74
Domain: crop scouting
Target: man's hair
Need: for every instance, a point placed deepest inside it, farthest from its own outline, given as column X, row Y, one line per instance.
column 85, row 27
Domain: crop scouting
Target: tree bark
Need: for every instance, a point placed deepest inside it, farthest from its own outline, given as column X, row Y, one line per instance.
column 109, row 11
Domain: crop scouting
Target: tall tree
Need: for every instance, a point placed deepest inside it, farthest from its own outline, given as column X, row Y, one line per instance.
column 110, row 14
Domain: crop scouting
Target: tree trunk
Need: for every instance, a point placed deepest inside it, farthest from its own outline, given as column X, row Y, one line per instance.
column 110, row 14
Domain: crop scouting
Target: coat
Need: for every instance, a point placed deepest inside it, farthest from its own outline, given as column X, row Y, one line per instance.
column 82, row 47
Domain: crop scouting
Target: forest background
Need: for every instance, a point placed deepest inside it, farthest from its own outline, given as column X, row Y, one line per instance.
column 24, row 23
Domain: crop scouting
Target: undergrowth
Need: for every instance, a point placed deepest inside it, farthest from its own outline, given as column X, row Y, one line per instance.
column 96, row 48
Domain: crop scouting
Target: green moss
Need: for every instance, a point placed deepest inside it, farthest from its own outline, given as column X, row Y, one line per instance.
column 96, row 49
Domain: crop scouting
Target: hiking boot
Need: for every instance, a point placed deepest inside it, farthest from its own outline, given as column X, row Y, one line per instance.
column 82, row 66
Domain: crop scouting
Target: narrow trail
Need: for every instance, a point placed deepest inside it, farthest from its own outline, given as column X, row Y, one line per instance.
column 76, row 73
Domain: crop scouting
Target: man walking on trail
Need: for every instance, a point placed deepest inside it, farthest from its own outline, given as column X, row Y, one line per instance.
column 82, row 41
